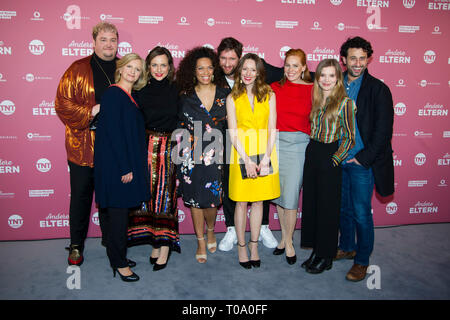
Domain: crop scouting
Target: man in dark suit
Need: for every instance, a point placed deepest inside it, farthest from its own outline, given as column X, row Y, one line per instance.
column 369, row 162
column 230, row 51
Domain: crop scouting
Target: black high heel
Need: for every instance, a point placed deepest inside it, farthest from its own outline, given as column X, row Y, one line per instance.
column 131, row 263
column 153, row 260
column 247, row 264
column 157, row 266
column 255, row 263
column 278, row 251
column 291, row 260
column 131, row 278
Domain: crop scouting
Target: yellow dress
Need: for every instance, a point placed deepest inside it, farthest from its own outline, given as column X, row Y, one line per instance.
column 253, row 135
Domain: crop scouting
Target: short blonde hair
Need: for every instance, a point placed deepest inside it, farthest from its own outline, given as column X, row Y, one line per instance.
column 142, row 81
column 104, row 26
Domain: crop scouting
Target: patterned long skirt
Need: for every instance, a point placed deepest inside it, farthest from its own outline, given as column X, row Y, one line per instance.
column 158, row 225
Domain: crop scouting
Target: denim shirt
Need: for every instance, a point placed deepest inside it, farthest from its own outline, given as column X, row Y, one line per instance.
column 352, row 92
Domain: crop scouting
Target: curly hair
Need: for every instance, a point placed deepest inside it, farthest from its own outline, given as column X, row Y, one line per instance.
column 185, row 76
column 260, row 89
column 356, row 42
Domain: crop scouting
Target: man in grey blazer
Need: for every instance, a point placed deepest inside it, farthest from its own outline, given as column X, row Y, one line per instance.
column 369, row 162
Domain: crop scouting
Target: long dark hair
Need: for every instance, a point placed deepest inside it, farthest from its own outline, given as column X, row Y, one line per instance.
column 185, row 75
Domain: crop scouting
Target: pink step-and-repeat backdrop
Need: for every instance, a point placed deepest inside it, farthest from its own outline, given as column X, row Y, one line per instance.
column 40, row 39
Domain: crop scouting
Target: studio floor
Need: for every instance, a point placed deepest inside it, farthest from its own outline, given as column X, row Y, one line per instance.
column 409, row 262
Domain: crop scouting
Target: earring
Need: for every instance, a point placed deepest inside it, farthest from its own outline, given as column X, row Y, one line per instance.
column 212, row 78
column 303, row 74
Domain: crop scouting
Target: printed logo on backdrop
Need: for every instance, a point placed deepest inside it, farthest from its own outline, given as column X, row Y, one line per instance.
column 55, row 221
column 424, row 83
column 400, row 83
column 417, row 183
column 372, row 3
column 408, row 4
column 78, row 49
column 36, row 16
column 7, row 195
column 373, row 22
column 213, row 22
column 220, row 217
column 395, row 56
column 45, row 108
column 322, row 53
column 439, row 5
column 420, row 159
column 248, row 23
column 183, row 22
column 38, row 137
column 253, row 49
column 7, row 15
column 29, row 77
column 336, row 2
column 95, row 219
column 400, row 109
column 43, row 165
column 282, row 24
column 442, row 183
column 124, row 48
column 207, row 45
column 7, row 107
column 433, row 110
column 444, row 161
column 36, row 47
column 7, row 166
column 342, row 26
column 5, row 50
column 445, row 134
column 110, row 18
column 397, row 162
column 422, row 134
column 283, row 51
column 408, row 29
column 429, row 57
column 73, row 17
column 298, row 1
column 316, row 26
column 173, row 48
column 1, row 78
column 391, row 208
column 436, row 30
column 40, row 193
column 424, row 207
column 15, row 221
column 150, row 19
column 181, row 216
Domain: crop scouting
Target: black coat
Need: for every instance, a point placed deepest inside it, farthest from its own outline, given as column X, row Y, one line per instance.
column 375, row 118
column 119, row 149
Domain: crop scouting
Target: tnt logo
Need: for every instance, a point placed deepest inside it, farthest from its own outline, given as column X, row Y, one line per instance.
column 7, row 107
column 36, row 47
column 15, row 221
column 124, row 48
column 391, row 208
column 43, row 165
column 283, row 51
column 429, row 56
column 420, row 159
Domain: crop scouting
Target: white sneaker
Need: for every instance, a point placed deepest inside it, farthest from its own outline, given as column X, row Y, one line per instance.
column 230, row 238
column 267, row 237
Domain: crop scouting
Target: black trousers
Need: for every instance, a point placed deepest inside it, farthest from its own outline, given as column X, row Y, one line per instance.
column 81, row 195
column 116, row 224
column 321, row 199
column 229, row 205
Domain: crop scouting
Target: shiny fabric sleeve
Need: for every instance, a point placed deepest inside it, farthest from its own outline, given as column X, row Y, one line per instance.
column 347, row 124
column 74, row 99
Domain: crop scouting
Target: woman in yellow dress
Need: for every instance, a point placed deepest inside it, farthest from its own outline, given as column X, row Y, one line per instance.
column 251, row 113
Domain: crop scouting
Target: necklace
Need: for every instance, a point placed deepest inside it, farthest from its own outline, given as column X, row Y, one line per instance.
column 109, row 81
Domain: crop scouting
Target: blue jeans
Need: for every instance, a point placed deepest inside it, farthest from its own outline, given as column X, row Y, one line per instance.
column 356, row 212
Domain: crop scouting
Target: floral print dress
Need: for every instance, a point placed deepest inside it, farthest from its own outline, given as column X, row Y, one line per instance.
column 200, row 161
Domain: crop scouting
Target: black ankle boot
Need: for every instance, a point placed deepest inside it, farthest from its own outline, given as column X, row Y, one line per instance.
column 306, row 263
column 319, row 265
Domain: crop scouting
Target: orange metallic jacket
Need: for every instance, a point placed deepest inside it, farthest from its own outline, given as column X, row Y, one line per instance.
column 75, row 98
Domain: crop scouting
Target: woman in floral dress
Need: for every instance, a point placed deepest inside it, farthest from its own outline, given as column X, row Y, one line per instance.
column 200, row 147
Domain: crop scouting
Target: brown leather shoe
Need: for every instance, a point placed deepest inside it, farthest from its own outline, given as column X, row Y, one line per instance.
column 357, row 273
column 345, row 254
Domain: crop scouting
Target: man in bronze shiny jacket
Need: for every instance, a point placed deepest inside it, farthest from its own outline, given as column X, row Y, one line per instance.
column 77, row 102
